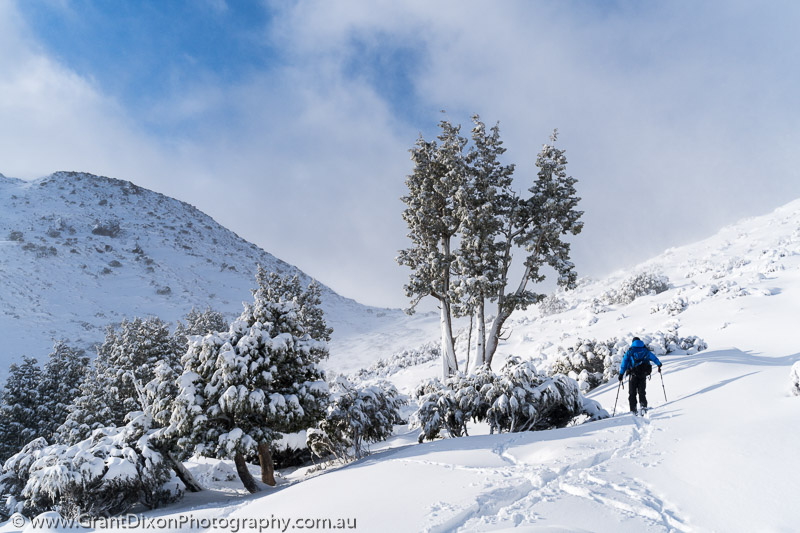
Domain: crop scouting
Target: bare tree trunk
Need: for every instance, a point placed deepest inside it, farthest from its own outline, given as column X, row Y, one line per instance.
column 267, row 467
column 449, row 362
column 183, row 474
column 244, row 474
column 469, row 341
column 502, row 316
column 480, row 351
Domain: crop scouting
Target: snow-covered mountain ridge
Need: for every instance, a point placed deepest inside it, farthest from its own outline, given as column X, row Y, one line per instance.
column 78, row 252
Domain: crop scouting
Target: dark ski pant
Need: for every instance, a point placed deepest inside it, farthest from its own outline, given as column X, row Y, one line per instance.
column 637, row 385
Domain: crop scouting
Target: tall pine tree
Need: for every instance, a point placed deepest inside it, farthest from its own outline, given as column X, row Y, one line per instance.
column 113, row 387
column 62, row 375
column 466, row 223
column 432, row 215
column 18, row 421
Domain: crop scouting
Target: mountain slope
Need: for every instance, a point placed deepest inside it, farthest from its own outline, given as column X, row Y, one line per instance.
column 78, row 252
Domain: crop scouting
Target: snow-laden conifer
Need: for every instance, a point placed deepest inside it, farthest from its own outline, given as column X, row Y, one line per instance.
column 125, row 363
column 240, row 389
column 466, row 225
column 200, row 323
column 484, row 207
column 438, row 178
column 60, row 383
column 19, row 422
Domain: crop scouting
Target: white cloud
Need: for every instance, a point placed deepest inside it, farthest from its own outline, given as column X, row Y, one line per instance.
column 678, row 115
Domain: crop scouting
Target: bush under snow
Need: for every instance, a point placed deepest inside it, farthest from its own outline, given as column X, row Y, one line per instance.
column 383, row 368
column 356, row 417
column 592, row 362
column 795, row 378
column 641, row 284
column 105, row 474
column 518, row 399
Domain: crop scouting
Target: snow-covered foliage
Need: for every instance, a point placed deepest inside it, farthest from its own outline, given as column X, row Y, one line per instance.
column 62, row 375
column 674, row 307
column 522, row 399
column 794, row 378
column 240, row 389
column 383, row 368
column 451, row 405
column 19, row 423
column 465, row 221
column 519, row 398
column 356, row 417
column 200, row 323
column 592, row 362
column 641, row 284
column 125, row 363
column 107, row 473
column 552, row 305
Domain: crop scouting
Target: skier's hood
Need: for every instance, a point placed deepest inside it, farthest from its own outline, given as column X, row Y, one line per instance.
column 637, row 344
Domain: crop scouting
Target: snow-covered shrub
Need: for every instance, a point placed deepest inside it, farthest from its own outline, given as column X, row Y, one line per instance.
column 356, row 417
column 108, row 228
column 518, row 399
column 15, row 236
column 450, row 405
column 552, row 305
column 794, row 377
column 674, row 307
column 105, row 474
column 592, row 362
column 596, row 306
column 383, row 368
column 641, row 284
column 586, row 361
column 522, row 399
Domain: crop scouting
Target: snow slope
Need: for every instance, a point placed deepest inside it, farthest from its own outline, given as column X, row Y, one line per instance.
column 719, row 454
column 61, row 277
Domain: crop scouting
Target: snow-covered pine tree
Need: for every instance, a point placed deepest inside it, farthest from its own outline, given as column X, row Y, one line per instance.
column 60, row 384
column 18, row 421
column 241, row 388
column 125, row 362
column 273, row 287
column 200, row 323
column 439, row 177
column 538, row 225
column 485, row 206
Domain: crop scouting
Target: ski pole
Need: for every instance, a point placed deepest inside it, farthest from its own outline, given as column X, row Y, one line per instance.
column 617, row 398
column 662, row 385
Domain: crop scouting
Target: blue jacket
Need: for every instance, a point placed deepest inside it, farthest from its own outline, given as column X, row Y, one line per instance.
column 636, row 355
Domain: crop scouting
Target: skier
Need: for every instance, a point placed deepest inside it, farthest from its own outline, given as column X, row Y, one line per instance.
column 637, row 362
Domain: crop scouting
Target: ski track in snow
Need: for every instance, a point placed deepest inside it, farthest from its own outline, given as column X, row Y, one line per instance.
column 513, row 492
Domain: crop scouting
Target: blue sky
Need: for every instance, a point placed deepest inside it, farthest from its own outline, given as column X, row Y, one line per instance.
column 290, row 122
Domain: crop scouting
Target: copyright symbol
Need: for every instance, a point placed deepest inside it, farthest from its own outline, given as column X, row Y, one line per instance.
column 18, row 520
